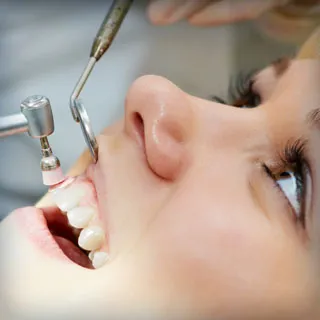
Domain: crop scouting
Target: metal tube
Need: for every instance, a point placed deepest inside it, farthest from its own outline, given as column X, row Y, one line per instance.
column 45, row 147
column 109, row 27
column 79, row 86
column 13, row 124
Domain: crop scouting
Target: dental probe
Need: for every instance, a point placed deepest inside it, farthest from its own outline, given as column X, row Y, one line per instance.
column 101, row 43
column 38, row 114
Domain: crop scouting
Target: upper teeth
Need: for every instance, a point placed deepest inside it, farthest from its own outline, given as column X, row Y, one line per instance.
column 67, row 199
column 80, row 217
column 91, row 254
column 91, row 237
column 99, row 259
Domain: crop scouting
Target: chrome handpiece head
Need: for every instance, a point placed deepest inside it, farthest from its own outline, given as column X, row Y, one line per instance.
column 38, row 112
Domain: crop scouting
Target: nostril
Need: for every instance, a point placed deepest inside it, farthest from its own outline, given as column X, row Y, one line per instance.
column 138, row 124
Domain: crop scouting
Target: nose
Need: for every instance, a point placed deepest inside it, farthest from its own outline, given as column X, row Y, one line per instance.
column 158, row 116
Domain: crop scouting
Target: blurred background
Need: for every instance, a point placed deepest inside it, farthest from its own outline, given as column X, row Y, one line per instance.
column 44, row 47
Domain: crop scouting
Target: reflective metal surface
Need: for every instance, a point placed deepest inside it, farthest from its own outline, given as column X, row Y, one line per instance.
column 79, row 86
column 13, row 124
column 87, row 129
column 105, row 35
column 109, row 27
column 37, row 110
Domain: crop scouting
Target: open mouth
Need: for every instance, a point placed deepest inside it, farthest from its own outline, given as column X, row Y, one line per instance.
column 75, row 225
column 66, row 237
column 71, row 229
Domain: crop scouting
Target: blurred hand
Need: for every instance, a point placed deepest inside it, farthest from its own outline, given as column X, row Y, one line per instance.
column 209, row 12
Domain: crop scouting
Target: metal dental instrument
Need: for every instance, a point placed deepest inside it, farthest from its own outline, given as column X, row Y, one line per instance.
column 13, row 124
column 101, row 43
column 39, row 123
column 36, row 118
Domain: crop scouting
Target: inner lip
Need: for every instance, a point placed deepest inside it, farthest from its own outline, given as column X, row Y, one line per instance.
column 66, row 237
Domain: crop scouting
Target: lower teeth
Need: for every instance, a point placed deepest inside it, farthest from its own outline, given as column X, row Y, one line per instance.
column 99, row 259
column 95, row 258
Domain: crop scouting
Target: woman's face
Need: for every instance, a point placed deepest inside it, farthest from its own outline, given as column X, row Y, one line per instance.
column 208, row 210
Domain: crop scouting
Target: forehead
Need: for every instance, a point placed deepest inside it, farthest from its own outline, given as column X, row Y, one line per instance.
column 290, row 96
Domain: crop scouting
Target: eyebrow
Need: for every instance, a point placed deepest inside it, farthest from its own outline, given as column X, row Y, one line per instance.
column 313, row 118
column 281, row 65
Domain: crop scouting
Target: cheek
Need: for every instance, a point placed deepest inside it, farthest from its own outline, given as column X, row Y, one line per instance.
column 114, row 128
column 233, row 253
column 211, row 238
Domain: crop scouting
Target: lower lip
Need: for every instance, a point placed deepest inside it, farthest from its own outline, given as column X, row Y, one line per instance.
column 33, row 223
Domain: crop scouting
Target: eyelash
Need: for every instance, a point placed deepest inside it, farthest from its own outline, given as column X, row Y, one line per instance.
column 241, row 93
column 292, row 158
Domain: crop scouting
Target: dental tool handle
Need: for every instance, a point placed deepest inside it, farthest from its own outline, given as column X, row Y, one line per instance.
column 109, row 28
column 13, row 124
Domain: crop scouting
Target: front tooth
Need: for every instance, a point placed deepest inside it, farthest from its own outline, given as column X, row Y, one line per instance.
column 99, row 259
column 91, row 238
column 80, row 217
column 91, row 255
column 67, row 199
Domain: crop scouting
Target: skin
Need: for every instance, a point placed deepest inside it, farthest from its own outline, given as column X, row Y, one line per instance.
column 285, row 20
column 197, row 230
column 211, row 12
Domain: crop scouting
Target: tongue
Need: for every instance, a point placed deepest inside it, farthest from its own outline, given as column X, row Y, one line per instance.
column 73, row 252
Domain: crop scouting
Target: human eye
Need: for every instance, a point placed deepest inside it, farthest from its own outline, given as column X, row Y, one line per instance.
column 241, row 93
column 290, row 173
column 290, row 177
column 291, row 184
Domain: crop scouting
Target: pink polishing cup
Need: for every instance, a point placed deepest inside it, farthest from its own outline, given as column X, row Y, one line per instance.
column 53, row 177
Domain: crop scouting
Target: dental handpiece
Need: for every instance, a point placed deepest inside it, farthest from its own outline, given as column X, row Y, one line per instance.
column 38, row 114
